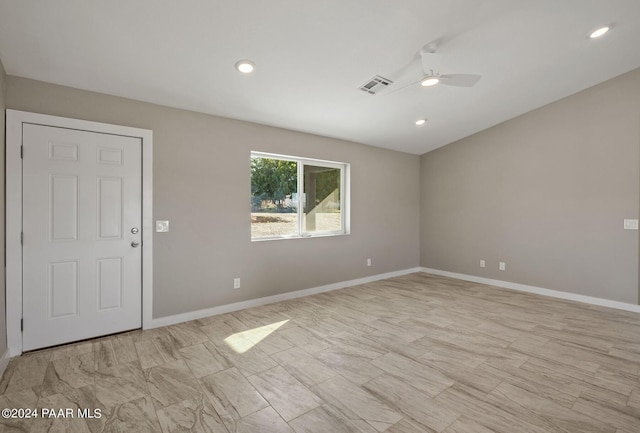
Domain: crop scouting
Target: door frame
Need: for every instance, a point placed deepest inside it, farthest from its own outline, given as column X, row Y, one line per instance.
column 13, row 226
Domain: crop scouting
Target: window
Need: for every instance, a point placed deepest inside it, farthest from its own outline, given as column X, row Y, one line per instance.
column 296, row 197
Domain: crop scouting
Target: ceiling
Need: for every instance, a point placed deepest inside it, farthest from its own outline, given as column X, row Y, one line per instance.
column 312, row 56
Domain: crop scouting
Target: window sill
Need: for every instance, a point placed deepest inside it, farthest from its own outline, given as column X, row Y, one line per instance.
column 308, row 236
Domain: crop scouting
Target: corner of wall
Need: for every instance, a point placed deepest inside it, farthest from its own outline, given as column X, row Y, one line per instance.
column 518, row 193
column 4, row 357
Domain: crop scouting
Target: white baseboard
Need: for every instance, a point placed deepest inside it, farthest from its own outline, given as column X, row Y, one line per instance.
column 222, row 309
column 4, row 361
column 537, row 290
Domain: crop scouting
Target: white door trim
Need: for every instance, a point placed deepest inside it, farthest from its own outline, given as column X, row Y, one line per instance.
column 14, row 121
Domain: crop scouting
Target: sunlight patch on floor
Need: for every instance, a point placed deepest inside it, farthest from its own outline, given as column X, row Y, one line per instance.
column 240, row 342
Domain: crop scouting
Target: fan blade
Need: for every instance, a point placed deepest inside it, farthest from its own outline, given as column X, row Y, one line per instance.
column 404, row 77
column 391, row 91
column 460, row 80
column 406, row 73
column 430, row 62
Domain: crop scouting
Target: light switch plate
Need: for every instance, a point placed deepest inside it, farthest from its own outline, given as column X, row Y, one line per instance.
column 631, row 224
column 162, row 226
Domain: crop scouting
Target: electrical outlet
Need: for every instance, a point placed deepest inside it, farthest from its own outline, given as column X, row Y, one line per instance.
column 368, row 262
column 236, row 283
column 482, row 263
column 502, row 266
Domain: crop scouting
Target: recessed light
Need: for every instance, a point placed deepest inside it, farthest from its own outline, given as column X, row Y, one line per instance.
column 421, row 122
column 600, row 32
column 245, row 66
column 431, row 80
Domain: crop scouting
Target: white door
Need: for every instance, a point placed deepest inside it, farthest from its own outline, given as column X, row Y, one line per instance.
column 82, row 219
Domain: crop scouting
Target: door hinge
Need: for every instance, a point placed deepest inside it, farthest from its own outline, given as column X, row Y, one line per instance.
column 21, row 152
column 21, row 238
column 21, row 324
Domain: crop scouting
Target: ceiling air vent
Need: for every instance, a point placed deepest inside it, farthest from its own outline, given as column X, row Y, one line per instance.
column 376, row 84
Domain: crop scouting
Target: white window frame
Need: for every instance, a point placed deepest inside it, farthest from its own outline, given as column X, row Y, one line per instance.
column 345, row 205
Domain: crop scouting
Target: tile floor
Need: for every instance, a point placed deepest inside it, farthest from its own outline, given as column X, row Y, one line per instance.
column 413, row 354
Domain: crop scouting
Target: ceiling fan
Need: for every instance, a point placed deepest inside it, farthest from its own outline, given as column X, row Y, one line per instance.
column 429, row 75
column 430, row 67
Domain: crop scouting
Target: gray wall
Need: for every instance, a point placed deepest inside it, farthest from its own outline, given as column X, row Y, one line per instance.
column 3, row 312
column 545, row 192
column 202, row 185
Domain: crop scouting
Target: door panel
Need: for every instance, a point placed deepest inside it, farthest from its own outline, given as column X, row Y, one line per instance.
column 63, row 207
column 110, row 278
column 81, row 198
column 110, row 197
column 63, row 289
